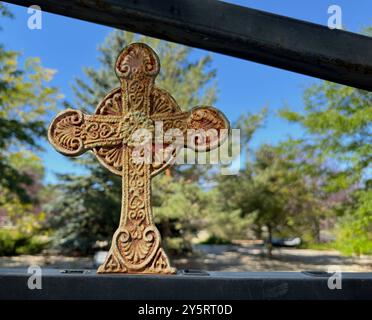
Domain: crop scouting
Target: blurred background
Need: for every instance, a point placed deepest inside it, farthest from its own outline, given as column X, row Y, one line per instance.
column 302, row 197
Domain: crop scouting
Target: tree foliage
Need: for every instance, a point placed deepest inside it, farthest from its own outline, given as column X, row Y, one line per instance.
column 25, row 100
column 338, row 121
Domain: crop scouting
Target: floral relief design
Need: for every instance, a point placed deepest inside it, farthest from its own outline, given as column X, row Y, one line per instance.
column 133, row 122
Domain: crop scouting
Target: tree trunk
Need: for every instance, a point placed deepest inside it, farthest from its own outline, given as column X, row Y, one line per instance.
column 269, row 241
column 316, row 230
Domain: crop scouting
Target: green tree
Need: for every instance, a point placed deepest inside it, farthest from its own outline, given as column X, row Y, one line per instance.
column 181, row 209
column 21, row 224
column 275, row 190
column 14, row 212
column 91, row 210
column 25, row 99
column 337, row 120
column 264, row 189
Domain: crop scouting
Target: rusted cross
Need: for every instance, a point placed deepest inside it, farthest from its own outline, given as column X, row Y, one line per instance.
column 136, row 104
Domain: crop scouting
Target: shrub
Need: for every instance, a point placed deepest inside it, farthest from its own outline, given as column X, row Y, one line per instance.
column 354, row 234
column 13, row 242
column 213, row 239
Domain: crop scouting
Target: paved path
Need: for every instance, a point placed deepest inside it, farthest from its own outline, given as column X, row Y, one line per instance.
column 251, row 258
column 223, row 258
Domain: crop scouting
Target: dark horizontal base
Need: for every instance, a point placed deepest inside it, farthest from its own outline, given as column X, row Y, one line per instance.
column 87, row 285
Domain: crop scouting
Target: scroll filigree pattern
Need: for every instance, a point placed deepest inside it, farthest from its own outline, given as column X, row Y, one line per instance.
column 72, row 132
column 112, row 104
column 214, row 125
column 162, row 103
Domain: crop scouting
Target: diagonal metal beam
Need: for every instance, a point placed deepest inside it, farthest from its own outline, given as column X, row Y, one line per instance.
column 266, row 38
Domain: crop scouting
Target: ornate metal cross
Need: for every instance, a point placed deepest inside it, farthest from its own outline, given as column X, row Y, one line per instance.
column 136, row 104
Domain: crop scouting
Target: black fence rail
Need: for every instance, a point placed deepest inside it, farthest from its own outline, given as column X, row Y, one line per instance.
column 266, row 38
column 87, row 285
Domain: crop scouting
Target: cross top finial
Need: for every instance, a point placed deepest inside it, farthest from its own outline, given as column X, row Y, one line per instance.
column 137, row 104
column 137, row 60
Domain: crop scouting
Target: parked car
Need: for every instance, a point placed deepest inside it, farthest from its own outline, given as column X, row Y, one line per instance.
column 287, row 242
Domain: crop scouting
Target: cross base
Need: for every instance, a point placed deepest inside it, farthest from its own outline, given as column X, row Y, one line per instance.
column 158, row 265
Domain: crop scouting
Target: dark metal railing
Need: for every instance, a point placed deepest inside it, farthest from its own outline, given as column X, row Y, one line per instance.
column 266, row 38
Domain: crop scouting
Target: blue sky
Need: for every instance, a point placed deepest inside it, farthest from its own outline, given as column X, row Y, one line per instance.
column 67, row 45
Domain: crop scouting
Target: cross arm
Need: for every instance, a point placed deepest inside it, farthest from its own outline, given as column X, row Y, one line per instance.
column 203, row 128
column 73, row 132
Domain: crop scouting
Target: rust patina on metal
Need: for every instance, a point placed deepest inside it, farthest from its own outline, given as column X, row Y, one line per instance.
column 137, row 104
